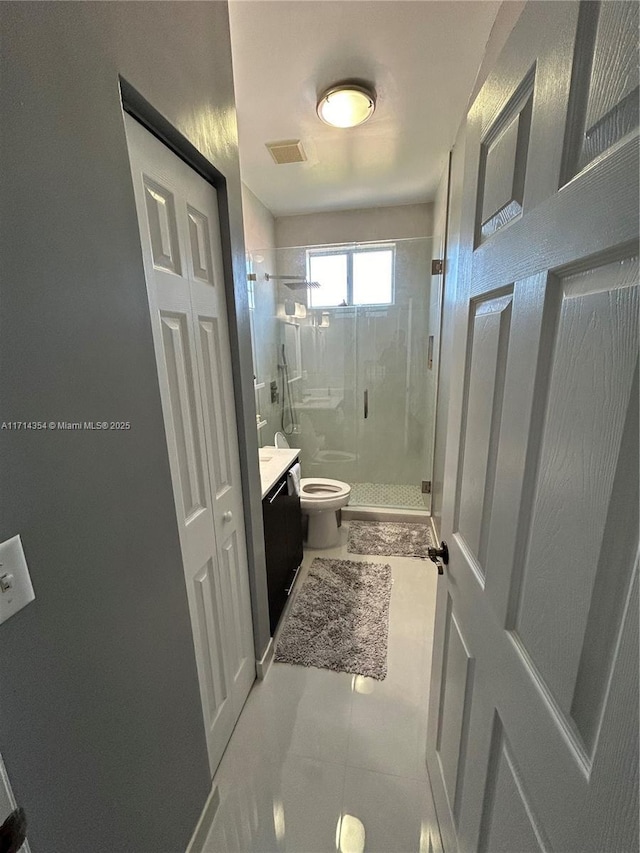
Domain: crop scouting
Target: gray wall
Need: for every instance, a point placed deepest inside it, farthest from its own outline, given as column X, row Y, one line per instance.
column 355, row 226
column 100, row 719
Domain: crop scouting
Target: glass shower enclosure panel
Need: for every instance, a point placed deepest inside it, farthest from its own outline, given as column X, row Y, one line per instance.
column 326, row 429
column 395, row 422
column 342, row 340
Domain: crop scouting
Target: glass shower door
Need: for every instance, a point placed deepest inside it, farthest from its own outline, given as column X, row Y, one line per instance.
column 343, row 368
column 396, row 404
column 325, row 400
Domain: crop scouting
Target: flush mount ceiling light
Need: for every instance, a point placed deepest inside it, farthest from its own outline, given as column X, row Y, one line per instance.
column 346, row 105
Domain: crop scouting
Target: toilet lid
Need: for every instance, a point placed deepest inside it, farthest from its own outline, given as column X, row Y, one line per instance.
column 280, row 440
column 318, row 489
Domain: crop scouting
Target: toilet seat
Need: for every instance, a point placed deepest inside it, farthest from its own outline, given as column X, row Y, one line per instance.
column 320, row 498
column 334, row 456
column 319, row 489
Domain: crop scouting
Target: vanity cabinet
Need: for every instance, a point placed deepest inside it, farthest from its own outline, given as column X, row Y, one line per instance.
column 283, row 544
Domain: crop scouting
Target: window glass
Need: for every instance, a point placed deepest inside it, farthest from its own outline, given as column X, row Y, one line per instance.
column 373, row 277
column 331, row 272
column 351, row 277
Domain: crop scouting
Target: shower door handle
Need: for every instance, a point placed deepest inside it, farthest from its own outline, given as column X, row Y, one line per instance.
column 366, row 403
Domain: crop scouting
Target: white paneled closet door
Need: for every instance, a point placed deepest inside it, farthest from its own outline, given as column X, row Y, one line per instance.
column 533, row 724
column 179, row 227
column 8, row 804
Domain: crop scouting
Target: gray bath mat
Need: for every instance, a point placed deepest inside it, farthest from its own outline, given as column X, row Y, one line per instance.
column 340, row 619
column 387, row 538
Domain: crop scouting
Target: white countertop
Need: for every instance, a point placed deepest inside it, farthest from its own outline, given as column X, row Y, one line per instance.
column 274, row 461
column 331, row 401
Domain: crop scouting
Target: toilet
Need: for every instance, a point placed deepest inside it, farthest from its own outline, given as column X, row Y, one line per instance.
column 317, row 459
column 320, row 500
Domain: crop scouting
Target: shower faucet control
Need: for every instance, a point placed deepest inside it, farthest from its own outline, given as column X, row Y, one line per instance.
column 437, row 555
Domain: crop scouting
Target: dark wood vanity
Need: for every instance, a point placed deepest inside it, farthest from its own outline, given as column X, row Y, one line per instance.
column 283, row 543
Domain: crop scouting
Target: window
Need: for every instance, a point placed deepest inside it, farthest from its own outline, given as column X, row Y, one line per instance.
column 359, row 276
column 332, row 273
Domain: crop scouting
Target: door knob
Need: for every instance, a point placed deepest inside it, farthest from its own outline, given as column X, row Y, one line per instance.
column 439, row 555
column 227, row 516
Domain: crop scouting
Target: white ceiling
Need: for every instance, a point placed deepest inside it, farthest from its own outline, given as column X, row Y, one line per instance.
column 422, row 57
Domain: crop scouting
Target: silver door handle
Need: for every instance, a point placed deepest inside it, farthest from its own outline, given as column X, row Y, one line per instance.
column 227, row 516
column 439, row 555
column 366, row 403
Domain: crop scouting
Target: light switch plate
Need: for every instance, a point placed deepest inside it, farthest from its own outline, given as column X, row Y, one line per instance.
column 16, row 590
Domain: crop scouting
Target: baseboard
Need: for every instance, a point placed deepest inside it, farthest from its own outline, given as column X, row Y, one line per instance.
column 376, row 513
column 200, row 833
column 262, row 665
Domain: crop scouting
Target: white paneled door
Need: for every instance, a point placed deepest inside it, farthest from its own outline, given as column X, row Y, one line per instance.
column 179, row 228
column 533, row 725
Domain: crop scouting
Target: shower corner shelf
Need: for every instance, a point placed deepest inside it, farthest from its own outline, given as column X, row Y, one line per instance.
column 261, row 424
column 258, row 386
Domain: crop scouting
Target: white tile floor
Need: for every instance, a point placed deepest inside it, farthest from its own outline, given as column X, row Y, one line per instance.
column 326, row 761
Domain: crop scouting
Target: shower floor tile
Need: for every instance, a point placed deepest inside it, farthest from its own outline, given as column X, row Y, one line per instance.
column 386, row 494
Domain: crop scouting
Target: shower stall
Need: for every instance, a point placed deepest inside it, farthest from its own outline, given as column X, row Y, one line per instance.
column 345, row 341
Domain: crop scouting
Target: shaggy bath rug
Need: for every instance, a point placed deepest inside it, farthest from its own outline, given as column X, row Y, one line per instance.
column 340, row 619
column 386, row 538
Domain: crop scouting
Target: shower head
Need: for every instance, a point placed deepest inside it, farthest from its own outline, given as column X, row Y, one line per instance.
column 302, row 285
column 293, row 282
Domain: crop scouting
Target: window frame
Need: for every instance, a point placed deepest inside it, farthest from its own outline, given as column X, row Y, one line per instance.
column 350, row 251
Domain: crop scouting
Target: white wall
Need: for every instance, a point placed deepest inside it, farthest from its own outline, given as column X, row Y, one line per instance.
column 355, row 226
column 259, row 235
column 259, row 224
column 505, row 21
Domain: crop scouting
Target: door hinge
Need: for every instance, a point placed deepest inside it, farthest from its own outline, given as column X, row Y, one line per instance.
column 437, row 266
column 426, row 487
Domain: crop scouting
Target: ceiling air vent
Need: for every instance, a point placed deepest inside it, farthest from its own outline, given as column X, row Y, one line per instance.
column 287, row 151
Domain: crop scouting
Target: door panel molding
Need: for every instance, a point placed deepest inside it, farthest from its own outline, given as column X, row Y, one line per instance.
column 229, row 271
column 487, row 347
column 215, row 406
column 503, row 163
column 541, row 501
column 599, row 122
column 587, row 235
column 189, row 322
column 505, row 793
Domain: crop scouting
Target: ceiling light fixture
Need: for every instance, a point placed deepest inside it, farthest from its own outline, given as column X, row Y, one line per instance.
column 346, row 105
